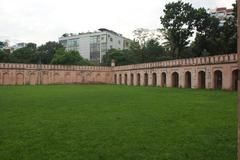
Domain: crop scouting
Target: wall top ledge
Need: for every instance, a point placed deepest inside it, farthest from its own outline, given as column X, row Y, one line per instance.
column 52, row 67
column 218, row 59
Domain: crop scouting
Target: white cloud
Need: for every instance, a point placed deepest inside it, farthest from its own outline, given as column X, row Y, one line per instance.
column 43, row 20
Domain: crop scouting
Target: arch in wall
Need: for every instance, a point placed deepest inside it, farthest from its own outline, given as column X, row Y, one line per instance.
column 107, row 78
column 163, row 79
column 67, row 78
column 88, row 77
column 218, row 79
column 201, row 79
column 145, row 79
column 6, row 79
column 45, row 78
column 131, row 79
column 33, row 79
column 57, row 78
column 175, row 79
column 20, row 79
column 125, row 79
column 188, row 79
column 154, row 79
column 138, row 79
column 235, row 75
column 78, row 78
column 83, row 79
column 120, row 79
column 115, row 79
column 98, row 78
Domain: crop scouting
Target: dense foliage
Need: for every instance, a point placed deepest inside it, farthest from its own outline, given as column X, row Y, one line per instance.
column 187, row 32
column 151, row 51
column 49, row 53
column 26, row 54
column 48, row 50
column 178, row 23
column 68, row 58
column 2, row 56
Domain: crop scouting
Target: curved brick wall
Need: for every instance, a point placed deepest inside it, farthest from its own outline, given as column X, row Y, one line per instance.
column 203, row 72
column 20, row 74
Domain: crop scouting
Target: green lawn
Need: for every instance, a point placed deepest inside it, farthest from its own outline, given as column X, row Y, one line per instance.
column 105, row 122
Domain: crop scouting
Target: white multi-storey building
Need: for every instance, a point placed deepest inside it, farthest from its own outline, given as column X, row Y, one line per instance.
column 222, row 14
column 93, row 45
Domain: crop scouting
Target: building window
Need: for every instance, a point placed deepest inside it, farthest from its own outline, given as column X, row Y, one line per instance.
column 103, row 47
column 103, row 38
column 119, row 42
column 95, row 39
column 111, row 46
column 64, row 43
column 221, row 14
column 111, row 39
column 73, row 43
column 95, row 48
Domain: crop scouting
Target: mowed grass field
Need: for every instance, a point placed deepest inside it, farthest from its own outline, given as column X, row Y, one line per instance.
column 107, row 122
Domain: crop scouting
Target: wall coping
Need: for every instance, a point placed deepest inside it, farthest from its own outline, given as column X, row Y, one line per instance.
column 217, row 59
column 53, row 67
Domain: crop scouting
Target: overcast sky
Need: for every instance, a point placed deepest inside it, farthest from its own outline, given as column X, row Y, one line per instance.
column 40, row 21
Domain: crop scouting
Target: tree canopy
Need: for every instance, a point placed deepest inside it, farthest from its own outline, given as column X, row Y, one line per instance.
column 68, row 58
column 178, row 22
column 186, row 32
column 47, row 51
column 27, row 54
column 150, row 51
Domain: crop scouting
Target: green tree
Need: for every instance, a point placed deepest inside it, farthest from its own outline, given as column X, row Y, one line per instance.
column 135, row 52
column 122, row 57
column 2, row 55
column 204, row 22
column 68, row 58
column 47, row 51
column 153, row 51
column 178, row 23
column 150, row 52
column 208, row 31
column 229, row 33
column 1, row 44
column 211, row 38
column 132, row 55
column 27, row 54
